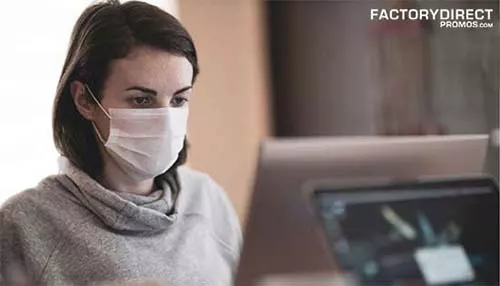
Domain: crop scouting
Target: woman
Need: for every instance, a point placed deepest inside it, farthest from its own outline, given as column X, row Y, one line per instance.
column 122, row 209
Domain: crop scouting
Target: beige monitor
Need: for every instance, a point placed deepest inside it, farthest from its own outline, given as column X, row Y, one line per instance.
column 281, row 234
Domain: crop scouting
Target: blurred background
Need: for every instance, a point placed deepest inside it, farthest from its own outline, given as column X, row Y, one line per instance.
column 269, row 69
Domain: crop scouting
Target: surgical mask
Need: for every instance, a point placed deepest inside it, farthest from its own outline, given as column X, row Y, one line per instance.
column 144, row 142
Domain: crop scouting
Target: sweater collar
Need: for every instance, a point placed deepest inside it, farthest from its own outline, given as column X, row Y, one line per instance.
column 120, row 211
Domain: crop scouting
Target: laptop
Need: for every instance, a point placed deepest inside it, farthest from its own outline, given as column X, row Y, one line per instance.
column 439, row 232
column 280, row 236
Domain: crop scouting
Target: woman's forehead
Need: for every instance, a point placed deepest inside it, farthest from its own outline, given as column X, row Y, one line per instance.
column 153, row 68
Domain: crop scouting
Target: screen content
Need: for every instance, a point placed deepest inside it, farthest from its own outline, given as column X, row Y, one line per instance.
column 414, row 237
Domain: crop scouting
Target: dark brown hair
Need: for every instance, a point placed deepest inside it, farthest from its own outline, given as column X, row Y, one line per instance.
column 105, row 32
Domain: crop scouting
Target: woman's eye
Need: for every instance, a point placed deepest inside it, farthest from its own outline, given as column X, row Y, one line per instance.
column 178, row 101
column 142, row 100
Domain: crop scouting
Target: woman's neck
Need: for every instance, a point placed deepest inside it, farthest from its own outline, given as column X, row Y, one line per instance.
column 115, row 179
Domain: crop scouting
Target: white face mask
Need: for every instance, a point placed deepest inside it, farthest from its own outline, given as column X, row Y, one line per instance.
column 145, row 142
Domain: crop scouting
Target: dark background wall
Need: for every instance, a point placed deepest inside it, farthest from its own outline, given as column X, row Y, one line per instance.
column 326, row 71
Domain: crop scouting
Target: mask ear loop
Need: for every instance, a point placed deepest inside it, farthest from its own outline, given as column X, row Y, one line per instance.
column 103, row 110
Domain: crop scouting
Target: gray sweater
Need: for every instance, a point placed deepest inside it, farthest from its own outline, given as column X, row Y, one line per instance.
column 70, row 230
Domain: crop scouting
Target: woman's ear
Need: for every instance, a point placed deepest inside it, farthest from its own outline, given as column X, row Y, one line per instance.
column 81, row 100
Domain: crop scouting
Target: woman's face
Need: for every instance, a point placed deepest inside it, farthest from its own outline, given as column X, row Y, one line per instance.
column 146, row 78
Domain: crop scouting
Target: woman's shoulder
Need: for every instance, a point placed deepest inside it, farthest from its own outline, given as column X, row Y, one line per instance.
column 30, row 202
column 203, row 196
column 202, row 188
column 192, row 177
column 18, row 203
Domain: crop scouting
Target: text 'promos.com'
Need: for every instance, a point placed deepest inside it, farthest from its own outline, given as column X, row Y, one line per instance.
column 448, row 18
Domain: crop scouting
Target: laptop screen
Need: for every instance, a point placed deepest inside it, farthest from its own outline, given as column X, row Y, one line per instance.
column 440, row 233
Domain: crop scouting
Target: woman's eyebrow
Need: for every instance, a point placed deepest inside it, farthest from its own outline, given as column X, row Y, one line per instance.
column 143, row 89
column 183, row 90
column 153, row 92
